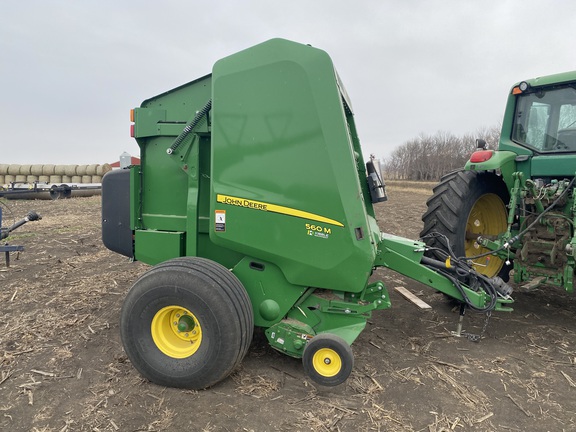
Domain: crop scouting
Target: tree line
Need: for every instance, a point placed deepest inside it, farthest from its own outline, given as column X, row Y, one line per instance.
column 428, row 157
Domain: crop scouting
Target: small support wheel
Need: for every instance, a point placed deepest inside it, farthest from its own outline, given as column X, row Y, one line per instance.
column 328, row 359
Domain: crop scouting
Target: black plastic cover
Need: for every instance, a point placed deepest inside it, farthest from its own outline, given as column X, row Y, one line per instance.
column 116, row 233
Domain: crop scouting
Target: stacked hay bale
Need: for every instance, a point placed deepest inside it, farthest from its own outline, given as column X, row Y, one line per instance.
column 50, row 173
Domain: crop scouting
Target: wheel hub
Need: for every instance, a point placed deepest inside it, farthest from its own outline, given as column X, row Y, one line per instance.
column 176, row 332
column 185, row 323
column 327, row 362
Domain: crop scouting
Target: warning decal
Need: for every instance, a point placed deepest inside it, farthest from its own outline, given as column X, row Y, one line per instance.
column 220, row 220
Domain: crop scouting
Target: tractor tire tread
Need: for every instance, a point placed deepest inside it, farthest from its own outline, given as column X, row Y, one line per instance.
column 449, row 206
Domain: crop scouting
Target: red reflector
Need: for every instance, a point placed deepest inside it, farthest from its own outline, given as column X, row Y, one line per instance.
column 132, row 130
column 481, row 156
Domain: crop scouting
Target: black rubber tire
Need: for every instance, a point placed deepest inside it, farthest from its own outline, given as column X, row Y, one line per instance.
column 337, row 347
column 450, row 206
column 55, row 193
column 66, row 191
column 216, row 298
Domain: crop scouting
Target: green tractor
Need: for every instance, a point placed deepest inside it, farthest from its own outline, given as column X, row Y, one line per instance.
column 511, row 211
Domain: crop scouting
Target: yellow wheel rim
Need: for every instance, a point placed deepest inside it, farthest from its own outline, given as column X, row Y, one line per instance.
column 176, row 332
column 326, row 362
column 487, row 218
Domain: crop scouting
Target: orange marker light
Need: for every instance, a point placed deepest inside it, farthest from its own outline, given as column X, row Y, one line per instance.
column 132, row 115
column 520, row 88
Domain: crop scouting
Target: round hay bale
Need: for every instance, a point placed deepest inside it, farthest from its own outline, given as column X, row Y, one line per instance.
column 103, row 169
column 4, row 169
column 31, row 179
column 60, row 170
column 25, row 170
column 14, row 169
column 96, row 179
column 43, row 178
column 48, row 169
column 76, row 179
column 91, row 169
column 81, row 170
column 66, row 179
column 20, row 178
column 8, row 178
column 55, row 179
column 2, row 179
column 86, row 179
column 70, row 170
column 36, row 170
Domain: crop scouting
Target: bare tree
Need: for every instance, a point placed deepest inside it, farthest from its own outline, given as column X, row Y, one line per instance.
column 428, row 157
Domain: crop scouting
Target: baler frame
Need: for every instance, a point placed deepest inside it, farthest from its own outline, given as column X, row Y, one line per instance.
column 215, row 199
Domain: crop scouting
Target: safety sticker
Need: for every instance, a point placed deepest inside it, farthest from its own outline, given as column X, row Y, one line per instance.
column 220, row 220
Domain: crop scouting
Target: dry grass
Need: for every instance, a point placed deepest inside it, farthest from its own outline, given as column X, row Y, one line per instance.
column 410, row 184
column 256, row 386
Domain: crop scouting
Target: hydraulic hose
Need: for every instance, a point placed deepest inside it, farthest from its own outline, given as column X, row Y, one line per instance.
column 486, row 286
column 550, row 207
column 461, row 269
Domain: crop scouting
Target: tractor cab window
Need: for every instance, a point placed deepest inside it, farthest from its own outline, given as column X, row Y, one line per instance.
column 545, row 120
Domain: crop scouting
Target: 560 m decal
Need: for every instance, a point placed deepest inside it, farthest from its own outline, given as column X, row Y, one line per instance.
column 273, row 208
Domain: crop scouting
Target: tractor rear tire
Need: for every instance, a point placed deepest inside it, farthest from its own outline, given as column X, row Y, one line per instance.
column 328, row 359
column 187, row 322
column 465, row 205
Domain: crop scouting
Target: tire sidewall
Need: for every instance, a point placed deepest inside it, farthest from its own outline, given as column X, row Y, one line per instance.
column 336, row 344
column 150, row 294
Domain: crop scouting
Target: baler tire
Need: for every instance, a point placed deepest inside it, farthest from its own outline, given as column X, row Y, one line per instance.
column 219, row 311
column 328, row 359
column 461, row 201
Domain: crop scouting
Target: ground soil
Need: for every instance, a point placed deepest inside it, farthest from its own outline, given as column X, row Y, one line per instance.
column 62, row 366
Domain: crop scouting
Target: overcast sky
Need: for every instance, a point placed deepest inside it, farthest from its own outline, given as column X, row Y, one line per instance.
column 70, row 71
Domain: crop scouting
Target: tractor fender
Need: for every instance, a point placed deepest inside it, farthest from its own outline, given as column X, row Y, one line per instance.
column 503, row 162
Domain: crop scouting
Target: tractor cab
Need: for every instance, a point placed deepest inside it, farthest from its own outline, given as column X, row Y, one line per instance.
column 545, row 118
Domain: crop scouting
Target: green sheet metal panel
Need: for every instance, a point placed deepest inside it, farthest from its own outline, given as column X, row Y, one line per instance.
column 154, row 247
column 285, row 187
column 164, row 184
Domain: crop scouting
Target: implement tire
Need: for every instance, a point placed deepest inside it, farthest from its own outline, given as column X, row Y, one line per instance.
column 187, row 323
column 328, row 359
column 465, row 205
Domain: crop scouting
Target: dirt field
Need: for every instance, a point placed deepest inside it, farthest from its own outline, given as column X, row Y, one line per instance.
column 62, row 366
